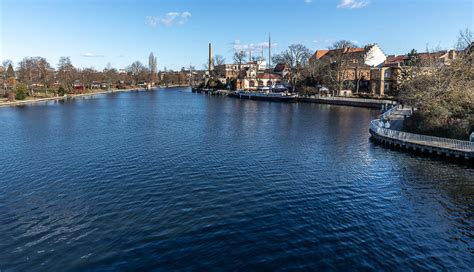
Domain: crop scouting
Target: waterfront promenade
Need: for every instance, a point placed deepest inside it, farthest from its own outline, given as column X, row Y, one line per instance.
column 372, row 103
column 348, row 101
column 393, row 137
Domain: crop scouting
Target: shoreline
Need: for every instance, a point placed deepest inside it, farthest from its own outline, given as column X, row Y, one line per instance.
column 370, row 103
column 422, row 145
column 65, row 97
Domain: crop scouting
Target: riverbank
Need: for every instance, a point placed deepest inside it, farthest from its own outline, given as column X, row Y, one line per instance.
column 372, row 103
column 68, row 96
column 349, row 101
column 392, row 137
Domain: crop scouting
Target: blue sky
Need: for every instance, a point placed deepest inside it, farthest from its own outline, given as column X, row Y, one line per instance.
column 94, row 33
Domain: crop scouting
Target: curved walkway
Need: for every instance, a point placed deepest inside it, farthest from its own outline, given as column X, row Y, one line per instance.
column 433, row 145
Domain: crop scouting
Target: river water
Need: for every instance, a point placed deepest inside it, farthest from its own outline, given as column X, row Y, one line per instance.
column 172, row 180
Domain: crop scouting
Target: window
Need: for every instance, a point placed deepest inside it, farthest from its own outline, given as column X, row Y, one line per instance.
column 260, row 83
column 269, row 83
column 252, row 83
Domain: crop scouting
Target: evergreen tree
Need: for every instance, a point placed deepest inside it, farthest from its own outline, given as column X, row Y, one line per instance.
column 413, row 59
column 10, row 72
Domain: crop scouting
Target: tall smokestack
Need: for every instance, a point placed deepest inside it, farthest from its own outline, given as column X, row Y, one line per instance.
column 210, row 58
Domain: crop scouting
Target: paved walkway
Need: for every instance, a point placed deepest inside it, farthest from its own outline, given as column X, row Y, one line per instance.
column 396, row 123
column 397, row 118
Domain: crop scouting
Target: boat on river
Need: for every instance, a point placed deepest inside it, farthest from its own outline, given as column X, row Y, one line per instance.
column 265, row 96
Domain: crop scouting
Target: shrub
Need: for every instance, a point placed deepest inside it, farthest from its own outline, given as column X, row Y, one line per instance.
column 21, row 91
column 61, row 91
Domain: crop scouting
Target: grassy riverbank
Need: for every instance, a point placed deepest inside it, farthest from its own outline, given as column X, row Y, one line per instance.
column 38, row 99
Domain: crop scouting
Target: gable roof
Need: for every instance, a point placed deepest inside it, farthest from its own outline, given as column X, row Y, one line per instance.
column 395, row 60
column 280, row 67
column 320, row 53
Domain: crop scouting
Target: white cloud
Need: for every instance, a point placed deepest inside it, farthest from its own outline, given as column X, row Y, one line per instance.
column 169, row 19
column 325, row 41
column 92, row 55
column 352, row 4
column 151, row 20
column 308, row 1
column 237, row 46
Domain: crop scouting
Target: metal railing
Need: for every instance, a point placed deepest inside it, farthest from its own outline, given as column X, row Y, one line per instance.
column 353, row 99
column 389, row 112
column 421, row 139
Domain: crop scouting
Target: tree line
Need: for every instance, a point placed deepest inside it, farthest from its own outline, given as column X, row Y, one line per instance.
column 35, row 76
column 443, row 94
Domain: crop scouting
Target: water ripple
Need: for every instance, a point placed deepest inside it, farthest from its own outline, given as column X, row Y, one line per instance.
column 171, row 180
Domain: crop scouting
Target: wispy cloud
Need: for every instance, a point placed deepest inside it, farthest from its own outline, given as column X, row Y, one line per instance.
column 92, row 55
column 308, row 1
column 328, row 42
column 238, row 46
column 352, row 4
column 169, row 19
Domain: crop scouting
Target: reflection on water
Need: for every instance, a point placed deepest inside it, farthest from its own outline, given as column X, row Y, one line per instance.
column 179, row 181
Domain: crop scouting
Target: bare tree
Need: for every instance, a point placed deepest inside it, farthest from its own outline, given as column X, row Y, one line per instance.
column 340, row 63
column 316, row 72
column 34, row 72
column 110, row 75
column 66, row 73
column 26, row 71
column 89, row 76
column 240, row 58
column 465, row 39
column 138, row 72
column 295, row 58
column 218, row 60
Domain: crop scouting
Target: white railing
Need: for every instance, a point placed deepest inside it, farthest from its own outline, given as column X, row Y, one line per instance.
column 389, row 112
column 421, row 139
column 354, row 99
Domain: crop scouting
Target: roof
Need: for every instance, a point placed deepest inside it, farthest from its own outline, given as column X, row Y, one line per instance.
column 319, row 53
column 268, row 76
column 280, row 67
column 394, row 60
column 330, row 53
column 431, row 55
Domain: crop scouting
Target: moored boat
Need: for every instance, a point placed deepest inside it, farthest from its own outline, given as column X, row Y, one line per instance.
column 265, row 96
